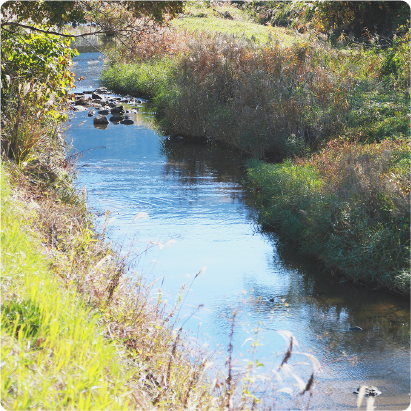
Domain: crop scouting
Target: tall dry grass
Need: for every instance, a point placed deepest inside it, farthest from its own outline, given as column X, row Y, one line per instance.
column 259, row 98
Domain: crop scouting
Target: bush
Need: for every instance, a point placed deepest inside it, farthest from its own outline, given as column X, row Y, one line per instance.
column 355, row 16
column 348, row 205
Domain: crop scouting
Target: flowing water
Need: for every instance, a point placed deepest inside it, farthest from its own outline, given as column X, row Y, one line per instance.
column 196, row 203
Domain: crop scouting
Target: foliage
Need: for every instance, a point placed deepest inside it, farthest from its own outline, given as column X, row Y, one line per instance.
column 348, row 205
column 58, row 13
column 381, row 17
column 43, row 12
column 35, row 80
column 36, row 58
column 396, row 62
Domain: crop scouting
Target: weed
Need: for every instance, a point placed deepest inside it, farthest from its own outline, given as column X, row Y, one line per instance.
column 21, row 315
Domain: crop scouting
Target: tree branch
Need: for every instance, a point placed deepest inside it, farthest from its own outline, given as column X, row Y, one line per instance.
column 56, row 33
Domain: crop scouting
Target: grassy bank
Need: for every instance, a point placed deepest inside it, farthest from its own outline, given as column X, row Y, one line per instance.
column 262, row 100
column 347, row 205
column 54, row 353
column 279, row 96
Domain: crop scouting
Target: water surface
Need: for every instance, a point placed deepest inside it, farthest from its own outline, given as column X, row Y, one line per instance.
column 194, row 195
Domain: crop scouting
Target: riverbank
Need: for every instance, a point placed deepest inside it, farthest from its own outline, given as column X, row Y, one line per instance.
column 54, row 352
column 76, row 332
column 301, row 97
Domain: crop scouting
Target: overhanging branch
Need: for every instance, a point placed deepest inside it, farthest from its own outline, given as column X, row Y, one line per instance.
column 56, row 33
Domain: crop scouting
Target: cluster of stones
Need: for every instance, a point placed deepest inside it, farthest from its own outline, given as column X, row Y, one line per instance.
column 105, row 106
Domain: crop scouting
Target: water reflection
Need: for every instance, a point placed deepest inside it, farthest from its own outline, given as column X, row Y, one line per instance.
column 100, row 126
column 194, row 193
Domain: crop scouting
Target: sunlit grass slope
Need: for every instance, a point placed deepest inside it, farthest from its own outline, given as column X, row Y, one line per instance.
column 54, row 355
column 200, row 18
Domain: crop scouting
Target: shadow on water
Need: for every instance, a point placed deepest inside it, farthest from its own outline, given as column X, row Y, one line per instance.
column 209, row 160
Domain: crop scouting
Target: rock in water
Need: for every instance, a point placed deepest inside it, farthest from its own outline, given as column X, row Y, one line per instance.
column 127, row 122
column 101, row 120
column 370, row 391
column 82, row 101
column 96, row 96
column 116, row 118
column 117, row 110
column 356, row 328
column 101, row 90
column 79, row 108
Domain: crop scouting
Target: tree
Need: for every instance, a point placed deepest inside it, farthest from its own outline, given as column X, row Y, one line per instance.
column 105, row 15
column 361, row 17
column 36, row 55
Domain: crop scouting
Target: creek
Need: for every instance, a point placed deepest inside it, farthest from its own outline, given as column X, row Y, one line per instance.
column 195, row 200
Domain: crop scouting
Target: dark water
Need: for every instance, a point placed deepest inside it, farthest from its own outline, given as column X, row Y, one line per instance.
column 195, row 202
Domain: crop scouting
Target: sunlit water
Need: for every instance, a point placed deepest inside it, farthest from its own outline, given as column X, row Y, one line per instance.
column 194, row 196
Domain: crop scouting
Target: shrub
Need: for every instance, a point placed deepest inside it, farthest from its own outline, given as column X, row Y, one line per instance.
column 357, row 16
column 347, row 205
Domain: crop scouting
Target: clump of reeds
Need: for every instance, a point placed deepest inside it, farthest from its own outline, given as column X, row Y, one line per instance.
column 258, row 98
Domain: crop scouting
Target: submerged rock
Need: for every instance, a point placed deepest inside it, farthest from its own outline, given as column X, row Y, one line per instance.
column 127, row 122
column 175, row 138
column 100, row 126
column 116, row 118
column 356, row 328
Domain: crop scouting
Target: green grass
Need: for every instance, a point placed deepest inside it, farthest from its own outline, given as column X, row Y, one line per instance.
column 144, row 79
column 378, row 114
column 199, row 18
column 53, row 351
